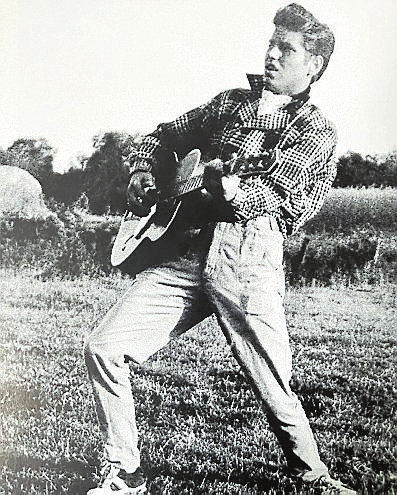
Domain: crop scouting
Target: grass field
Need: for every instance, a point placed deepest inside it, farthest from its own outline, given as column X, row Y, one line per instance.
column 201, row 429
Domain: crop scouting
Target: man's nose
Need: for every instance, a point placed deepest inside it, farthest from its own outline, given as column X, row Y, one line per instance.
column 274, row 52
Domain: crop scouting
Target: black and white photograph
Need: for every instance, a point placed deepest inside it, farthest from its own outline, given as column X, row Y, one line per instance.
column 198, row 247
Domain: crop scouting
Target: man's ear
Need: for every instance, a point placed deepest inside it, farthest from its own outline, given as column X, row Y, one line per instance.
column 315, row 65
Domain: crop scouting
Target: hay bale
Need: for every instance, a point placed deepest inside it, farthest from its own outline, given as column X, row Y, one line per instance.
column 21, row 194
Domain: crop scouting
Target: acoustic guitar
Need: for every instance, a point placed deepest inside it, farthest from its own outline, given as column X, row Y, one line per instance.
column 136, row 233
column 138, row 236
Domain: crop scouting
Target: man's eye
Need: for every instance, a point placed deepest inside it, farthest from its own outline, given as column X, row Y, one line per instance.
column 286, row 49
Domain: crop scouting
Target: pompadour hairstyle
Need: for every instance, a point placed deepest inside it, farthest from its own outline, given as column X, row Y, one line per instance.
column 318, row 38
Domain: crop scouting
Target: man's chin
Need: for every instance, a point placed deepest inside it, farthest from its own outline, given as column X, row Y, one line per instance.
column 270, row 86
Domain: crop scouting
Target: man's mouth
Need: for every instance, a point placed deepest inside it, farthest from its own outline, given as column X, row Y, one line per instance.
column 270, row 70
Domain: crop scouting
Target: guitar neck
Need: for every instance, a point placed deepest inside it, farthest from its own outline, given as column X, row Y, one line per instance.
column 195, row 181
column 181, row 188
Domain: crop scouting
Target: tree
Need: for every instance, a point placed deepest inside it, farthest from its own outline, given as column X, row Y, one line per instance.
column 33, row 155
column 106, row 174
column 388, row 168
column 67, row 187
column 3, row 157
column 356, row 170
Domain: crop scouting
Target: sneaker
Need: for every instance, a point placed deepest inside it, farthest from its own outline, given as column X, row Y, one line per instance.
column 116, row 481
column 329, row 486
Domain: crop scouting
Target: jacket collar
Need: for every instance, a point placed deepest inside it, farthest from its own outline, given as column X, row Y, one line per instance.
column 256, row 82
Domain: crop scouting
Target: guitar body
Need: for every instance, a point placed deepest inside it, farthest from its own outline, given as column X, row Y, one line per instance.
column 136, row 242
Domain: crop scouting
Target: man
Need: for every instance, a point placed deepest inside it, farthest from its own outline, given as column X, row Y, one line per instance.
column 231, row 265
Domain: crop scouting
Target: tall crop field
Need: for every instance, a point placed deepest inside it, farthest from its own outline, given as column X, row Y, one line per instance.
column 372, row 208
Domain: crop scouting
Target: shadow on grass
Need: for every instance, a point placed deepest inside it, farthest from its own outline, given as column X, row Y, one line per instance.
column 80, row 487
column 20, row 477
column 15, row 399
column 261, row 481
column 192, row 477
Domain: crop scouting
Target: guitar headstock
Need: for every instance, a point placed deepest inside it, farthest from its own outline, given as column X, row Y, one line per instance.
column 250, row 165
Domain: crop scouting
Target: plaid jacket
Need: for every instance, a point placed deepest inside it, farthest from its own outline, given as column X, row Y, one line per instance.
column 290, row 153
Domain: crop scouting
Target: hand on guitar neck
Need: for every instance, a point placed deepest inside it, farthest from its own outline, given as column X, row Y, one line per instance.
column 217, row 183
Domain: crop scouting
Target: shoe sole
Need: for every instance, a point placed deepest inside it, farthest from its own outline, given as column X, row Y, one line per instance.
column 136, row 491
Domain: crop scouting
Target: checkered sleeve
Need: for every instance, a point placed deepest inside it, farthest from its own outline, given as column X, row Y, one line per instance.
column 254, row 198
column 295, row 184
column 187, row 132
column 305, row 174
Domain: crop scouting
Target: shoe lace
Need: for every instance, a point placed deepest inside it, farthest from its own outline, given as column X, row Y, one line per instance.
column 108, row 472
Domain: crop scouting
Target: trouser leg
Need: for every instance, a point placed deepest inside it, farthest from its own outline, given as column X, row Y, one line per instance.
column 161, row 303
column 246, row 284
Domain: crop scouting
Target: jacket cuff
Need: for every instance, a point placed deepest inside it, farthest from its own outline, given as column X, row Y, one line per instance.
column 250, row 202
column 140, row 165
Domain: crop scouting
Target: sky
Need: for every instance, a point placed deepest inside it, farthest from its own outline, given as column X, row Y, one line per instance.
column 73, row 69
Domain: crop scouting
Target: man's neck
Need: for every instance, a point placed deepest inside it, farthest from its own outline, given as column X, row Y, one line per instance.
column 257, row 84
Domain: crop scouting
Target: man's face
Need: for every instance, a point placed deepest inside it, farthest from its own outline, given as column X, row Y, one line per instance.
column 288, row 68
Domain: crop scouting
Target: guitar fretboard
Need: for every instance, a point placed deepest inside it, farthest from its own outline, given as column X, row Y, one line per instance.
column 195, row 182
column 183, row 187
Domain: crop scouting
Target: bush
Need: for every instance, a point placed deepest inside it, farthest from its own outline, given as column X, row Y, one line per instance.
column 67, row 245
column 352, row 240
column 357, row 257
